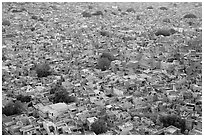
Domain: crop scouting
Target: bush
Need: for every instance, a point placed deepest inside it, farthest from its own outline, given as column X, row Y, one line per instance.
column 163, row 8
column 107, row 55
column 12, row 108
column 34, row 17
column 6, row 23
column 105, row 33
column 86, row 14
column 99, row 127
column 130, row 10
column 150, row 7
column 113, row 13
column 90, row 7
column 97, row 13
column 23, row 98
column 42, row 69
column 172, row 31
column 124, row 13
column 103, row 64
column 163, row 32
column 167, row 20
column 190, row 15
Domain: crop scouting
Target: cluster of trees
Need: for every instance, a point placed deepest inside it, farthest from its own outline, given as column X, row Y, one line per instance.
column 63, row 96
column 99, row 127
column 12, row 108
column 60, row 93
column 23, row 98
column 174, row 120
column 16, row 107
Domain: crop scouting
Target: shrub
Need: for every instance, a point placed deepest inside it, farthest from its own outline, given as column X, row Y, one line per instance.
column 86, row 14
column 99, row 127
column 103, row 64
column 190, row 15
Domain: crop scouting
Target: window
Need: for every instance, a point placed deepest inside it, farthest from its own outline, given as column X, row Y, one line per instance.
column 51, row 128
column 60, row 131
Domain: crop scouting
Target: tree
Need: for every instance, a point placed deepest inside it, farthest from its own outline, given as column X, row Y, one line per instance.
column 103, row 64
column 12, row 108
column 23, row 98
column 107, row 55
column 42, row 69
column 173, row 120
column 63, row 96
column 99, row 127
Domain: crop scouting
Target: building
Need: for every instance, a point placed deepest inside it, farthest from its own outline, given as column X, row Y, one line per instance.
column 90, row 121
column 172, row 130
column 125, row 127
column 51, row 111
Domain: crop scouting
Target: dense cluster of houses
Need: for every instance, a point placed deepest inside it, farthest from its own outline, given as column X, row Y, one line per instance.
column 132, row 99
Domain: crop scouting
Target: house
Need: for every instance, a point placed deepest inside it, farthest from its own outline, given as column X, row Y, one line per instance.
column 28, row 130
column 61, row 128
column 89, row 133
column 195, row 132
column 133, row 64
column 189, row 123
column 198, row 125
column 13, row 129
column 171, row 130
column 90, row 121
column 51, row 111
column 126, row 127
column 123, row 116
column 117, row 92
column 50, row 127
column 107, row 133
